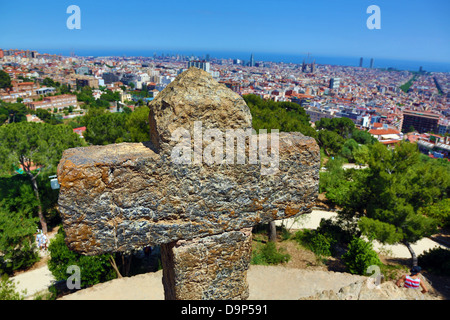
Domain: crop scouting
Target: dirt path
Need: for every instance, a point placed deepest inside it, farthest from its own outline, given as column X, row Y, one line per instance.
column 265, row 283
column 33, row 281
column 37, row 278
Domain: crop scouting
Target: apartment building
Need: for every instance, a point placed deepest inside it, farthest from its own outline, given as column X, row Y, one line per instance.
column 50, row 103
column 204, row 65
column 420, row 121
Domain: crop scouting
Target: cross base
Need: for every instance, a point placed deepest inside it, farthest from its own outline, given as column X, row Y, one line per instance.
column 209, row 268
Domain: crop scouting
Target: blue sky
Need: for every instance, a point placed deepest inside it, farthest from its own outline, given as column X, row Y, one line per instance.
column 410, row 30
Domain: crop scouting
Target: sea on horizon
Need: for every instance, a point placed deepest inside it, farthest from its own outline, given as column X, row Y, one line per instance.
column 431, row 66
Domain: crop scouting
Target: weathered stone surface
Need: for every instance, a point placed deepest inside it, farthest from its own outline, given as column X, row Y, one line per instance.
column 367, row 290
column 195, row 96
column 125, row 196
column 213, row 267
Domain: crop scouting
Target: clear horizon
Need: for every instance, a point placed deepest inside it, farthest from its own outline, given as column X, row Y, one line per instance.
column 410, row 65
column 410, row 30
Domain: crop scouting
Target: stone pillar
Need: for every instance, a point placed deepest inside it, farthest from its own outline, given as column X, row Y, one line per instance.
column 209, row 268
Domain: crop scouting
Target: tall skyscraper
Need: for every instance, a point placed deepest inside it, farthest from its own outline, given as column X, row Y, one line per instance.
column 360, row 62
column 252, row 61
column 371, row 63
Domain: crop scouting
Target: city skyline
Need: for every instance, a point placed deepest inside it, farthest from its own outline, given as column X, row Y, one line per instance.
column 409, row 31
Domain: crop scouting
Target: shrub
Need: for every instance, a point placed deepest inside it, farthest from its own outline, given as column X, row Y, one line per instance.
column 8, row 289
column 268, row 254
column 360, row 256
column 436, row 260
column 318, row 243
column 94, row 269
column 339, row 231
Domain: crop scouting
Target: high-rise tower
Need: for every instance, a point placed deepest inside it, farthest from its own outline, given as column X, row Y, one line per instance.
column 313, row 66
column 371, row 63
column 360, row 62
column 252, row 61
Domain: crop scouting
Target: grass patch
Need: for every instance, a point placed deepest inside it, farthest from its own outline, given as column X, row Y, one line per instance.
column 268, row 254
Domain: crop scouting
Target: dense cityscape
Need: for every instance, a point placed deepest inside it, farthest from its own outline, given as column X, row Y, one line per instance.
column 393, row 105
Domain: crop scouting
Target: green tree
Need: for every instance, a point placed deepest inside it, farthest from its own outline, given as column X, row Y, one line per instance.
column 330, row 141
column 342, row 126
column 49, row 82
column 13, row 112
column 387, row 196
column 94, row 269
column 85, row 95
column 137, row 124
column 284, row 116
column 47, row 117
column 405, row 87
column 317, row 242
column 361, row 154
column 17, row 195
column 348, row 149
column 17, row 246
column 106, row 128
column 439, row 211
column 436, row 260
column 363, row 137
column 336, row 182
column 35, row 147
column 64, row 89
column 5, row 80
column 110, row 96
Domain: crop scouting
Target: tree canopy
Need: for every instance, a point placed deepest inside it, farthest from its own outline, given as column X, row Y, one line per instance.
column 38, row 145
column 330, row 141
column 34, row 147
column 342, row 126
column 284, row 116
column 17, row 246
column 12, row 112
column 389, row 195
column 104, row 127
column 5, row 80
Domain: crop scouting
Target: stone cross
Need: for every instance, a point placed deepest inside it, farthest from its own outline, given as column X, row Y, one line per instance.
column 126, row 196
